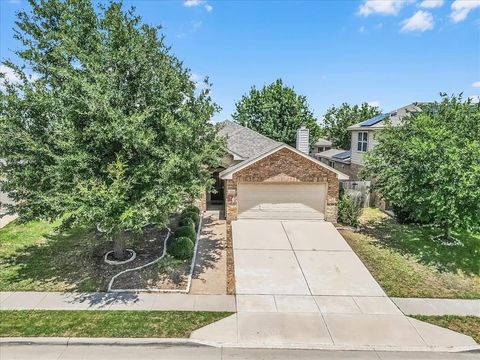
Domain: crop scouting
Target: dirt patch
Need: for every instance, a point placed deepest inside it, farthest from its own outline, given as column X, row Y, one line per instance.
column 230, row 262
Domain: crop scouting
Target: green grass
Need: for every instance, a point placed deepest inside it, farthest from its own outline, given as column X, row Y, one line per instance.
column 34, row 257
column 167, row 324
column 407, row 262
column 468, row 325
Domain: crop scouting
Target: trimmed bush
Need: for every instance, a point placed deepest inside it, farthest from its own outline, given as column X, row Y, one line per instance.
column 191, row 208
column 192, row 215
column 187, row 221
column 349, row 209
column 181, row 248
column 186, row 231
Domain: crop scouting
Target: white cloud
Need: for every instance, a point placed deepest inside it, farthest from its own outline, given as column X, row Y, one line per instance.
column 476, row 84
column 384, row 7
column 461, row 9
column 194, row 3
column 14, row 1
column 431, row 4
column 420, row 21
column 10, row 75
column 374, row 103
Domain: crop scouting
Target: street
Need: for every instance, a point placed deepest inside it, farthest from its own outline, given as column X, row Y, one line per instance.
column 175, row 352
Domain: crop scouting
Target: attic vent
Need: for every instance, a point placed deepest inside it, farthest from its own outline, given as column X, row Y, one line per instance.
column 303, row 140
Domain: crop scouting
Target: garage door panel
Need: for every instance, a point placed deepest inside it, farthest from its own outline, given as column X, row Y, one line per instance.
column 281, row 201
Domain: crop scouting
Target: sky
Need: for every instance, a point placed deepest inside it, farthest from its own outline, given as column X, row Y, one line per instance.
column 388, row 53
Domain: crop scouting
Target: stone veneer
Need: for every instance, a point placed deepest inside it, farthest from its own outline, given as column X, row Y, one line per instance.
column 283, row 166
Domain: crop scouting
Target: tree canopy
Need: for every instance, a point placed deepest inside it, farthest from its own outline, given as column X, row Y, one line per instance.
column 111, row 130
column 276, row 111
column 429, row 166
column 338, row 119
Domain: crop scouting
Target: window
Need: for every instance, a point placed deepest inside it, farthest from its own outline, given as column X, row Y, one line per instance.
column 362, row 143
column 331, row 164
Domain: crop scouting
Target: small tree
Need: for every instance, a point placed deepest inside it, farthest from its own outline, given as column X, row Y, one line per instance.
column 112, row 132
column 338, row 119
column 430, row 165
column 276, row 111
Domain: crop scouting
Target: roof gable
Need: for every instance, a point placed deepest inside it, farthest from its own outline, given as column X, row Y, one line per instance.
column 228, row 173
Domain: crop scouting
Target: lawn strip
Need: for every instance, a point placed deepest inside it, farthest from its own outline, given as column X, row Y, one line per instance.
column 140, row 324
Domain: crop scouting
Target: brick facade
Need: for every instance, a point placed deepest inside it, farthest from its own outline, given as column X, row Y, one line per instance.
column 283, row 166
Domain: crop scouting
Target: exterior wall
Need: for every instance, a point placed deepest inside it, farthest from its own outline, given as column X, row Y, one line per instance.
column 352, row 170
column 357, row 156
column 283, row 166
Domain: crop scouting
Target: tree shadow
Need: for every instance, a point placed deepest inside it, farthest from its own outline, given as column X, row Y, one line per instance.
column 418, row 241
column 211, row 247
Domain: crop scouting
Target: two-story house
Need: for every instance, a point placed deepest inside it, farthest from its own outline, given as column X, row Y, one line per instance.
column 363, row 139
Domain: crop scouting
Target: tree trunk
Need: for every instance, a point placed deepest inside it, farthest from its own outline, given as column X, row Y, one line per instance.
column 119, row 245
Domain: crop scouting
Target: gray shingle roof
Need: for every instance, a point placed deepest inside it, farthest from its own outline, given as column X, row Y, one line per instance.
column 243, row 141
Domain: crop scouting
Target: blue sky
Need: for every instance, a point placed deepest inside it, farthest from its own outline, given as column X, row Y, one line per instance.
column 387, row 52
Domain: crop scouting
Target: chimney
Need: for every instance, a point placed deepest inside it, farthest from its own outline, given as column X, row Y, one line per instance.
column 303, row 141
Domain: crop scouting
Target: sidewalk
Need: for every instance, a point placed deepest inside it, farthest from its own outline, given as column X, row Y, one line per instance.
column 417, row 306
column 115, row 301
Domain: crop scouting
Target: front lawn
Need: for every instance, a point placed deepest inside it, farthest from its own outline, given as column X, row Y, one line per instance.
column 162, row 324
column 33, row 257
column 408, row 263
column 468, row 325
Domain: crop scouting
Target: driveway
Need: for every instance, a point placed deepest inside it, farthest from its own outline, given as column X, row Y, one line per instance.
column 297, row 257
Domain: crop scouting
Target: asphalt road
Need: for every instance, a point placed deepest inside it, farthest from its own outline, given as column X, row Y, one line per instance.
column 147, row 352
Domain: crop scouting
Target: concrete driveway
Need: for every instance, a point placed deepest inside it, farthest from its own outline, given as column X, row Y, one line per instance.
column 297, row 257
column 299, row 284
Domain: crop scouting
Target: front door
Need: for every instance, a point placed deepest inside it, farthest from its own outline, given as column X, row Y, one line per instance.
column 217, row 196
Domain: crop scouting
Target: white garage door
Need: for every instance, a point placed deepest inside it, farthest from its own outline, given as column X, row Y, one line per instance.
column 281, row 201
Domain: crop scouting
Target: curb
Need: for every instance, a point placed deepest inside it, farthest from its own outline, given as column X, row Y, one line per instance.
column 170, row 342
column 66, row 341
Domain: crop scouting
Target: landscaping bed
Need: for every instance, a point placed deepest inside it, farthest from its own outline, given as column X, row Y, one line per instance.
column 468, row 325
column 407, row 262
column 48, row 323
column 33, row 257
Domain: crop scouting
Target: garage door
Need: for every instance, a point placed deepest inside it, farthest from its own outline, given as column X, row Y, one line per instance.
column 281, row 201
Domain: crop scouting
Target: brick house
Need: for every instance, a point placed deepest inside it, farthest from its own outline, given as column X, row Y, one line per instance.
column 266, row 179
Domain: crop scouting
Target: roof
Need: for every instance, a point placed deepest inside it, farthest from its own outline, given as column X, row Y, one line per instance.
column 323, row 142
column 379, row 121
column 335, row 154
column 227, row 173
column 243, row 142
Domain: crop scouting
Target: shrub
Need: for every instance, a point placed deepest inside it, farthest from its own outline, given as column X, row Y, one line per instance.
column 192, row 215
column 181, row 248
column 191, row 208
column 188, row 221
column 349, row 209
column 186, row 231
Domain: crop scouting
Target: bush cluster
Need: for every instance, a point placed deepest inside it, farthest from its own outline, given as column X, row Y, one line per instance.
column 183, row 243
column 349, row 209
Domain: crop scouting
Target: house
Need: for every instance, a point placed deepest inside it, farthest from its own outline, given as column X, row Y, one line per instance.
column 261, row 178
column 320, row 145
column 363, row 139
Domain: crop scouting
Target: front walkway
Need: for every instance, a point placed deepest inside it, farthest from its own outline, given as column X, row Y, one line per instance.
column 417, row 306
column 299, row 285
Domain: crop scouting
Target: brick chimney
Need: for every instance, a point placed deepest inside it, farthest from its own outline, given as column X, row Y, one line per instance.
column 303, row 140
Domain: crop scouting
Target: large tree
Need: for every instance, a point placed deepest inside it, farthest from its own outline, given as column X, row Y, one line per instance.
column 276, row 111
column 110, row 131
column 338, row 119
column 429, row 166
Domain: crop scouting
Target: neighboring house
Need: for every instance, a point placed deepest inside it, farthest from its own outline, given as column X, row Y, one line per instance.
column 320, row 146
column 363, row 139
column 264, row 178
